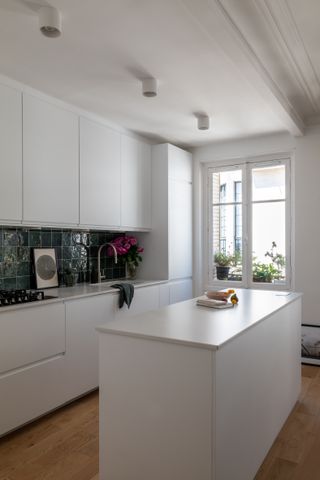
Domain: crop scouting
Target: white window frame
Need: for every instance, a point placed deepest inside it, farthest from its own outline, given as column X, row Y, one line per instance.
column 246, row 165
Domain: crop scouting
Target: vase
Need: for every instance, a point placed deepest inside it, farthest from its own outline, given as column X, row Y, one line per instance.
column 131, row 270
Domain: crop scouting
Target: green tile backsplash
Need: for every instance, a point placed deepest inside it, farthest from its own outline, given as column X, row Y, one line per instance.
column 75, row 249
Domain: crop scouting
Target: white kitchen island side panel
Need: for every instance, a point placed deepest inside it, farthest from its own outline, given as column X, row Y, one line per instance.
column 155, row 410
column 257, row 384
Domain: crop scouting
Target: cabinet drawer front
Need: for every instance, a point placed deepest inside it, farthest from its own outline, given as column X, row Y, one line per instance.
column 30, row 335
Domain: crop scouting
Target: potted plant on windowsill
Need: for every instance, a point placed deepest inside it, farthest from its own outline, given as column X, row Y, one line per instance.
column 223, row 261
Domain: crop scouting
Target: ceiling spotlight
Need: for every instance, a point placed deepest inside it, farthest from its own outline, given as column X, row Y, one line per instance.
column 149, row 87
column 50, row 22
column 203, row 122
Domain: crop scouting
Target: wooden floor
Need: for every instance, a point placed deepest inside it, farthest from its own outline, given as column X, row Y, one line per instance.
column 64, row 444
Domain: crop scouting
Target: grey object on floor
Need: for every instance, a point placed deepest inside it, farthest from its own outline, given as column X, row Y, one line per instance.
column 126, row 293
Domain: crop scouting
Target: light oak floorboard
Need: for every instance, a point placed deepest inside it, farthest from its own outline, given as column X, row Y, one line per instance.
column 295, row 453
column 60, row 446
column 64, row 444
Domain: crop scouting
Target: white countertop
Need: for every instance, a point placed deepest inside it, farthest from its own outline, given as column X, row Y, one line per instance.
column 81, row 290
column 204, row 327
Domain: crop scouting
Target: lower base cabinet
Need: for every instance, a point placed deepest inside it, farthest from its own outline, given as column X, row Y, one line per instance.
column 60, row 363
column 82, row 318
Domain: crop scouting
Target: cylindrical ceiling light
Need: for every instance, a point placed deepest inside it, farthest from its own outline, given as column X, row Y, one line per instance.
column 50, row 22
column 203, row 122
column 149, row 87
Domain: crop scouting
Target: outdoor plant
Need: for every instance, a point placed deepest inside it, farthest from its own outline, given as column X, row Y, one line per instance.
column 267, row 272
column 223, row 259
column 128, row 250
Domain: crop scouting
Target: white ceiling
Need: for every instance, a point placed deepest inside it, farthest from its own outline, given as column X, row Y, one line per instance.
column 252, row 65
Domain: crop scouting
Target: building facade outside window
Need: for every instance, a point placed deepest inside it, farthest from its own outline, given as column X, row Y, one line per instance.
column 249, row 223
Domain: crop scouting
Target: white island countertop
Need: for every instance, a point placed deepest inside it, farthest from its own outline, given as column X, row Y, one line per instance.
column 204, row 327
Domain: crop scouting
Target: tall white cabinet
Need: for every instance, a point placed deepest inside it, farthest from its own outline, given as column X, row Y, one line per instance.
column 135, row 183
column 168, row 247
column 100, row 170
column 10, row 154
column 50, row 163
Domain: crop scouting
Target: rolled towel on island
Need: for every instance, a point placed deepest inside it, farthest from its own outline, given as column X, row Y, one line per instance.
column 126, row 293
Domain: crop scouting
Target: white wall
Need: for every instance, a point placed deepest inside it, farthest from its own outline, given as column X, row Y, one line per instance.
column 306, row 204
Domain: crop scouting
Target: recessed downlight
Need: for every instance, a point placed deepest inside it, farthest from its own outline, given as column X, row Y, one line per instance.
column 50, row 23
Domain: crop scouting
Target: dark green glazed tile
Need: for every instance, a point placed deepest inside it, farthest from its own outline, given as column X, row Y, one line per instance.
column 23, row 282
column 85, row 238
column 1, row 254
column 9, row 254
column 9, row 269
column 9, row 283
column 58, row 251
column 56, row 238
column 23, row 268
column 23, row 237
column 46, row 240
column 75, row 238
column 23, row 254
column 1, row 237
column 10, row 237
column 35, row 238
column 66, row 264
column 66, row 253
column 66, row 238
column 94, row 239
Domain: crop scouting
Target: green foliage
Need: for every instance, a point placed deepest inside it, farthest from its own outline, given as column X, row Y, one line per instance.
column 267, row 272
column 223, row 259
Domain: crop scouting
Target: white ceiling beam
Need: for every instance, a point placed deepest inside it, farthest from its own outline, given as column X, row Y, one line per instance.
column 220, row 28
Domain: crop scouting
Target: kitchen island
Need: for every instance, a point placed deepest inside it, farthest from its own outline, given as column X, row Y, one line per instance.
column 189, row 392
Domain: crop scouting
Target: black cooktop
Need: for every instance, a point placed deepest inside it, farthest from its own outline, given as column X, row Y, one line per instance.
column 15, row 297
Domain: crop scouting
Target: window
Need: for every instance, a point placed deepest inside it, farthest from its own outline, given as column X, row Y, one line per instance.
column 249, row 224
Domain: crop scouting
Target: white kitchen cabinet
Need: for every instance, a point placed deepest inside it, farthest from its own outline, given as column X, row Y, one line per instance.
column 50, row 163
column 180, row 229
column 10, row 154
column 169, row 244
column 180, row 291
column 164, row 295
column 32, row 378
column 146, row 298
column 82, row 317
column 135, row 183
column 43, row 335
column 100, row 171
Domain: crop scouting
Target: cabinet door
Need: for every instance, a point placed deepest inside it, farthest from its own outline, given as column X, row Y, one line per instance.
column 180, row 291
column 135, row 183
column 180, row 164
column 99, row 174
column 145, row 298
column 82, row 356
column 180, row 229
column 50, row 163
column 10, row 154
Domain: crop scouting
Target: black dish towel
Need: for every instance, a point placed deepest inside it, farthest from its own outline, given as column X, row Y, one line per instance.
column 126, row 293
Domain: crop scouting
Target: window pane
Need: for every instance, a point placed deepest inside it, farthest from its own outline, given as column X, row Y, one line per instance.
column 268, row 183
column 227, row 242
column 227, row 187
column 268, row 242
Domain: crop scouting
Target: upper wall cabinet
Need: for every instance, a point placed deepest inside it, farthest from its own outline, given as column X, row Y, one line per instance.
column 51, row 163
column 135, row 183
column 100, row 169
column 10, row 154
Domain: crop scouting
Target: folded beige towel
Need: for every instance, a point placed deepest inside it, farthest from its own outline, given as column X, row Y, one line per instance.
column 204, row 301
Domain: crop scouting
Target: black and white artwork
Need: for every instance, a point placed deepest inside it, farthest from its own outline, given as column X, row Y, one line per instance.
column 310, row 344
column 45, row 265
